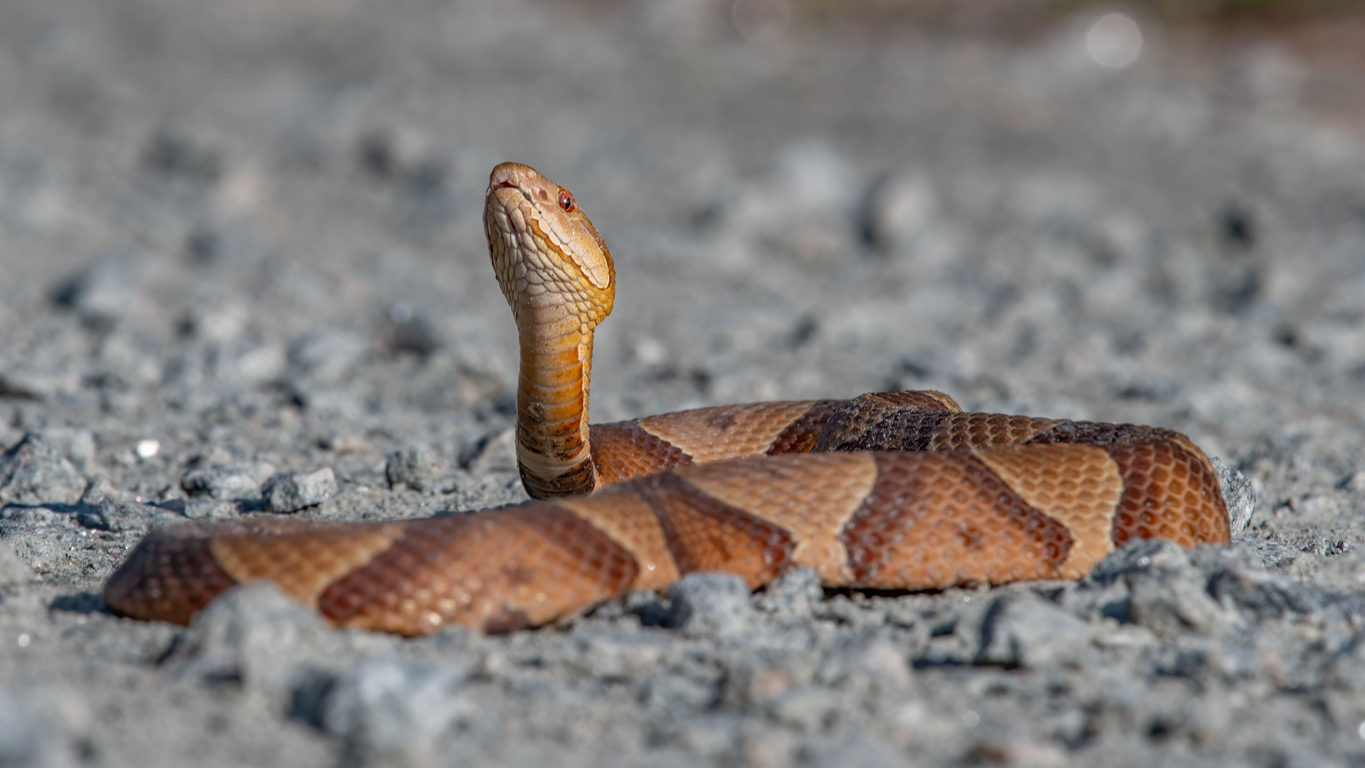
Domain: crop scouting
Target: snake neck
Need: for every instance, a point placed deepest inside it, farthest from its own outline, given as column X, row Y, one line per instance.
column 553, row 450
column 559, row 280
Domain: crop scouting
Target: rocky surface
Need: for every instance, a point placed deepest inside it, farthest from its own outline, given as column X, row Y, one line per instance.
column 242, row 272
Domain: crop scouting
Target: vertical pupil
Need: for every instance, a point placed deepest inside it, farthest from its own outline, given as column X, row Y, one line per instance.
column 566, row 201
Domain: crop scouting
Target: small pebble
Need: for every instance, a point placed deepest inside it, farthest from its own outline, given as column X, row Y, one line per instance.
column 227, row 481
column 42, row 468
column 295, row 491
column 710, row 605
column 210, row 509
column 895, row 209
column 1238, row 494
column 326, row 355
column 13, row 569
column 102, row 294
column 1027, row 631
column 417, row 467
column 793, row 593
column 253, row 633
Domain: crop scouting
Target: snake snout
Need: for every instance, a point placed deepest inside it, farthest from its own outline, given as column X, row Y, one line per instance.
column 513, row 176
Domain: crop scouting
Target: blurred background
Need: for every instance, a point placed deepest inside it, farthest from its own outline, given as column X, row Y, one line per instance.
column 1147, row 211
column 243, row 237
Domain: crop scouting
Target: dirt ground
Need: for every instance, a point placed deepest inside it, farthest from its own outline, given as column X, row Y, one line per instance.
column 241, row 239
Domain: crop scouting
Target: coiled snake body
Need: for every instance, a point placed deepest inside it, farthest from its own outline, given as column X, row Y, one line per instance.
column 897, row 490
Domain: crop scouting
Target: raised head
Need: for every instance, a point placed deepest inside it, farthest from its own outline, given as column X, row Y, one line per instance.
column 558, row 278
column 545, row 251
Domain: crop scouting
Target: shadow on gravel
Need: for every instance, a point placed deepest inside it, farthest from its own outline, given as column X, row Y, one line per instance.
column 80, row 602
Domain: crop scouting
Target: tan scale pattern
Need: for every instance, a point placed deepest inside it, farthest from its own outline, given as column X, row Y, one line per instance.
column 623, row 450
column 630, row 522
column 305, row 561
column 170, row 575
column 799, row 436
column 552, row 437
column 1195, row 451
column 935, row 520
column 1169, row 493
column 812, row 497
column 924, row 399
column 964, row 431
column 1077, row 485
column 727, row 431
column 497, row 571
column 930, row 520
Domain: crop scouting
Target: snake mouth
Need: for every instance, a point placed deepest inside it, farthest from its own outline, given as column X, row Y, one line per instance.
column 508, row 184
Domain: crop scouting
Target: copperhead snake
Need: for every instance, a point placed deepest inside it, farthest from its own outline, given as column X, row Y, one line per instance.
column 896, row 490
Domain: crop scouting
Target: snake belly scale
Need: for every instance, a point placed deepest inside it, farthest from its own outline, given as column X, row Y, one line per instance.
column 894, row 490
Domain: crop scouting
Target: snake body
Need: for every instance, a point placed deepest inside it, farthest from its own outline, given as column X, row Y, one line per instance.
column 896, row 490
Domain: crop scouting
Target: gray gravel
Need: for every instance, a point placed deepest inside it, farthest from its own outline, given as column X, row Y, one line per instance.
column 300, row 490
column 242, row 271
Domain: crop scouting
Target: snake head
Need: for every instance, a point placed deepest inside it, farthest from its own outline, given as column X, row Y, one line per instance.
column 545, row 251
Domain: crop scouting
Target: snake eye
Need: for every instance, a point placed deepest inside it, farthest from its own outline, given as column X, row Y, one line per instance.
column 566, row 201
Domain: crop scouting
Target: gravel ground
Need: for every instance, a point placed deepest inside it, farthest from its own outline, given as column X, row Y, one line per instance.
column 242, row 272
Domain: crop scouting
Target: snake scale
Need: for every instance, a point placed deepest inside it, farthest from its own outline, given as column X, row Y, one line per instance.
column 896, row 490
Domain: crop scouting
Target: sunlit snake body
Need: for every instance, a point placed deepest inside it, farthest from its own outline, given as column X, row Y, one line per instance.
column 897, row 490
